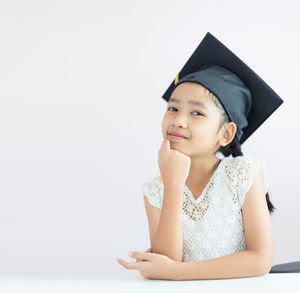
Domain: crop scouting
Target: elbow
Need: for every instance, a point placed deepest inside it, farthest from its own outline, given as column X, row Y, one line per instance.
column 264, row 271
column 266, row 265
column 266, row 268
column 169, row 254
column 174, row 253
column 176, row 258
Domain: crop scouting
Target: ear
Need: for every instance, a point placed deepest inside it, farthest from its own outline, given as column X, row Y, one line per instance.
column 228, row 133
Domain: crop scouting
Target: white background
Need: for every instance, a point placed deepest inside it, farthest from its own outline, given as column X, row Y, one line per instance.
column 80, row 121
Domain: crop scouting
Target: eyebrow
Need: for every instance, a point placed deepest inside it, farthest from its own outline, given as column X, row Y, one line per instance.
column 194, row 103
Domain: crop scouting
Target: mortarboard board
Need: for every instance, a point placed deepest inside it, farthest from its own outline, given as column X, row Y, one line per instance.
column 246, row 98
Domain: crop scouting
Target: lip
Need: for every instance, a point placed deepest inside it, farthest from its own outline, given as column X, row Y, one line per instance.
column 175, row 137
column 176, row 134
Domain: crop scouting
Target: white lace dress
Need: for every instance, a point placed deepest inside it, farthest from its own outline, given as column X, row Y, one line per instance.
column 212, row 225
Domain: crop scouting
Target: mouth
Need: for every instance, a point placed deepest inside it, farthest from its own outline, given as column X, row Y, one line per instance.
column 176, row 137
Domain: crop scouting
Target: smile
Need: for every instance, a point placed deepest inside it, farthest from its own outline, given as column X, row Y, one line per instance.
column 175, row 137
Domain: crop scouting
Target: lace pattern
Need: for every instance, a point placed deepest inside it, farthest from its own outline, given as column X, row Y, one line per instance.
column 247, row 169
column 154, row 191
column 213, row 224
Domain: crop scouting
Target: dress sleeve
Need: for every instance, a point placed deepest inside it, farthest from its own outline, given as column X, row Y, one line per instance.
column 246, row 171
column 153, row 189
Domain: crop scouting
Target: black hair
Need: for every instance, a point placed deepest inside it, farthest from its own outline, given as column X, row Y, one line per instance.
column 234, row 148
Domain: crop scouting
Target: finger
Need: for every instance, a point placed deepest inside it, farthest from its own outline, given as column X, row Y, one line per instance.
column 142, row 255
column 167, row 143
column 147, row 250
column 139, row 260
column 128, row 265
column 162, row 145
column 160, row 148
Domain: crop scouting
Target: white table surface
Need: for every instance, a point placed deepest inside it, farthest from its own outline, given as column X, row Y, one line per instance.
column 132, row 281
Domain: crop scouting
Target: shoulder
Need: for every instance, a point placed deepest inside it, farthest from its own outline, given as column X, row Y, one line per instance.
column 153, row 190
column 243, row 165
column 235, row 162
column 157, row 180
column 246, row 167
column 233, row 166
column 244, row 171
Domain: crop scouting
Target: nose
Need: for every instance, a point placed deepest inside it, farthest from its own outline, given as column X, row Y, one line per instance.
column 179, row 120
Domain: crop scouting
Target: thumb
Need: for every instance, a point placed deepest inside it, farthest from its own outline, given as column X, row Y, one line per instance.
column 167, row 143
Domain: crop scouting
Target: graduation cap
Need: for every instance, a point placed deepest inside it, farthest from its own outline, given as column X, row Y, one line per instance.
column 246, row 98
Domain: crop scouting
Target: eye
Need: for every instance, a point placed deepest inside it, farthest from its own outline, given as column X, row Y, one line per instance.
column 198, row 112
column 192, row 112
column 171, row 108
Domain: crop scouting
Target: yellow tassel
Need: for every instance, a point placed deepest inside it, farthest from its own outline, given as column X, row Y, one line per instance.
column 176, row 78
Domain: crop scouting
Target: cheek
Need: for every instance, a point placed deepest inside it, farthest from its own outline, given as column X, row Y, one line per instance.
column 164, row 129
column 165, row 124
column 202, row 138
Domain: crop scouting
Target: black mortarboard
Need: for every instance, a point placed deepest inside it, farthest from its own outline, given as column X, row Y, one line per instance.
column 246, row 98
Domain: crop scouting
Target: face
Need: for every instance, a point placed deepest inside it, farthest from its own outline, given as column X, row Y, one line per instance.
column 192, row 113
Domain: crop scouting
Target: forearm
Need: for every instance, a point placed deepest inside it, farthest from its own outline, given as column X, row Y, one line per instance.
column 168, row 240
column 241, row 264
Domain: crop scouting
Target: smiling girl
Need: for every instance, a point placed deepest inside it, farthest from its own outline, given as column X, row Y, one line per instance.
column 209, row 210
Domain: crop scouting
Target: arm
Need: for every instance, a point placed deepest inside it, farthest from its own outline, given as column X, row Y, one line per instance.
column 240, row 264
column 168, row 239
column 256, row 260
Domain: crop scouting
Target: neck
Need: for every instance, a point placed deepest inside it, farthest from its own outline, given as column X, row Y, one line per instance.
column 201, row 169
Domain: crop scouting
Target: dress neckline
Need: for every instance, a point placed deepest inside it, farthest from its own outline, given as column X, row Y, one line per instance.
column 200, row 197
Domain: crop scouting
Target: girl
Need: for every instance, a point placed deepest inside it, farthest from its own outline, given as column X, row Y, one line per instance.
column 208, row 212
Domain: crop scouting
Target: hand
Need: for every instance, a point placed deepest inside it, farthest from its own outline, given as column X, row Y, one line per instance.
column 147, row 250
column 174, row 166
column 151, row 265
